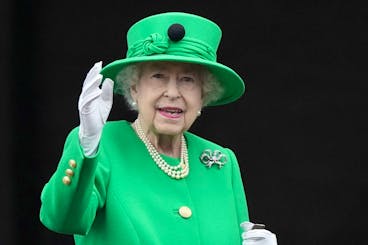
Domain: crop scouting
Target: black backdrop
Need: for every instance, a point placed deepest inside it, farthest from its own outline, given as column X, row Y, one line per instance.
column 298, row 132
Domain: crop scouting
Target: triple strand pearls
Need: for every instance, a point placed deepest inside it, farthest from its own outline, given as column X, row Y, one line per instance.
column 177, row 172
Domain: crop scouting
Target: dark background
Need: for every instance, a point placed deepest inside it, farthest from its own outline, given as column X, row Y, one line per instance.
column 299, row 132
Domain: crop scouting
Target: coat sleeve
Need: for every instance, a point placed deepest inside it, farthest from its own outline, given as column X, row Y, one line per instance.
column 238, row 188
column 70, row 208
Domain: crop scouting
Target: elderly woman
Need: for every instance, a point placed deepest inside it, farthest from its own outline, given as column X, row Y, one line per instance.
column 152, row 181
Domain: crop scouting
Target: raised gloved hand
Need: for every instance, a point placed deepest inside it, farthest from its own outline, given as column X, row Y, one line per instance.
column 257, row 236
column 94, row 108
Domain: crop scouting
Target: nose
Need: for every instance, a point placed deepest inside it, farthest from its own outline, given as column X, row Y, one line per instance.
column 172, row 89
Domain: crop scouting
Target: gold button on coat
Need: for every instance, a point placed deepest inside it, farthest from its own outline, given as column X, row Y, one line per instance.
column 69, row 172
column 185, row 212
column 67, row 180
column 72, row 163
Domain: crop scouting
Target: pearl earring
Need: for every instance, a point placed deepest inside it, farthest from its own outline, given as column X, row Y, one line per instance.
column 134, row 104
column 199, row 113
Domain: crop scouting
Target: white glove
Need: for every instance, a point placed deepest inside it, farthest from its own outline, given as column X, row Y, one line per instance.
column 257, row 236
column 94, row 108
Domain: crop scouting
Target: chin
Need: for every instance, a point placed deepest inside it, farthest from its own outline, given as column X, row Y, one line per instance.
column 170, row 129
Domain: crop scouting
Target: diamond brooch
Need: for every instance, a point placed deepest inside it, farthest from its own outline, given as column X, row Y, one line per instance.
column 216, row 157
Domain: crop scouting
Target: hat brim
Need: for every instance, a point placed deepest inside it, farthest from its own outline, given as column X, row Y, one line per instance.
column 231, row 82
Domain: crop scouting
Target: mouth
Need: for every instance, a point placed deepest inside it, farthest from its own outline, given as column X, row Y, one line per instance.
column 170, row 112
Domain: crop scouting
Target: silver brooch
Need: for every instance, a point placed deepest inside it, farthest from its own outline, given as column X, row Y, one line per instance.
column 209, row 158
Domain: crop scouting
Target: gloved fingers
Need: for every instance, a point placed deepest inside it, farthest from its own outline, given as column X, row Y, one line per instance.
column 92, row 80
column 90, row 90
column 257, row 234
column 91, row 84
column 106, row 98
column 95, row 70
column 107, row 90
column 246, row 225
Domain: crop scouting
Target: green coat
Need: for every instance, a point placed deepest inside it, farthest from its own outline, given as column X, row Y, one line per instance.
column 120, row 196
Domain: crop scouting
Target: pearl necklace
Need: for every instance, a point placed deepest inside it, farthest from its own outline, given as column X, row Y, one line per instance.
column 177, row 172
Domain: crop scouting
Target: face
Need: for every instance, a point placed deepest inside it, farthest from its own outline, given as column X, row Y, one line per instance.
column 168, row 96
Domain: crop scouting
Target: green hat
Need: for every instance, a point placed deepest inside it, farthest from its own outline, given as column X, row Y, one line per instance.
column 182, row 37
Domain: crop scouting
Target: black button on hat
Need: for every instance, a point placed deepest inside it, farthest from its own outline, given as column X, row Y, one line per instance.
column 176, row 32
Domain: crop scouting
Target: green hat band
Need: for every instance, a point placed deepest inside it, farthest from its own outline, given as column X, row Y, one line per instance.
column 158, row 44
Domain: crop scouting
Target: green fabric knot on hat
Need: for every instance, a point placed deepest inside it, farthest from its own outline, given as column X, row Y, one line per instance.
column 153, row 44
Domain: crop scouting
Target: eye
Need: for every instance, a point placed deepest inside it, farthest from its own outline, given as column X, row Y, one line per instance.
column 188, row 79
column 158, row 75
column 188, row 82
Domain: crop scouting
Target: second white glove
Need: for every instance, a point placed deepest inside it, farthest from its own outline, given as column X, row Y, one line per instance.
column 257, row 236
column 94, row 107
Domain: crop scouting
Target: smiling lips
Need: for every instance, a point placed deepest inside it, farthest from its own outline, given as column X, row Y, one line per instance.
column 170, row 112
